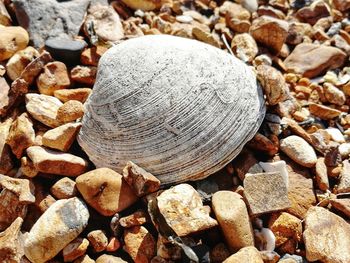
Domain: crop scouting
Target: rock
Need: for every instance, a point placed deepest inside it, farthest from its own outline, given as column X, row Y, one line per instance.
column 11, row 243
column 70, row 111
column 342, row 205
column 137, row 218
column 261, row 30
column 141, row 181
column 232, row 215
column 264, row 239
column 11, row 96
column 16, row 64
column 106, row 191
column 75, row 249
column 113, row 244
column 344, row 182
column 243, row 163
column 297, row 31
column 27, row 167
column 278, row 166
column 219, row 253
column 333, row 94
column 335, row 135
column 54, row 77
column 6, row 162
column 98, row 240
column 139, row 244
column 311, row 14
column 105, row 22
column 321, row 175
column 344, row 149
column 247, row 254
column 234, row 11
column 144, row 5
column 250, row 5
column 341, row 5
column 311, row 60
column 61, row 223
column 21, row 135
column 5, row 18
column 270, row 11
column 65, row 50
column 266, row 192
column 269, row 256
column 79, row 94
column 62, row 137
column 263, row 144
column 53, row 162
column 323, row 112
column 84, row 74
column 287, row 230
column 91, row 56
column 63, row 17
column 299, row 150
column 109, row 259
column 183, row 210
column 326, row 236
column 273, row 84
column 244, row 47
column 13, row 39
column 43, row 108
column 4, row 96
column 64, row 188
column 205, row 37
column 15, row 195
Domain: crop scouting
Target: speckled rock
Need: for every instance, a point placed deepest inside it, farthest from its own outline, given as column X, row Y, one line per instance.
column 12, row 39
column 11, row 243
column 247, row 254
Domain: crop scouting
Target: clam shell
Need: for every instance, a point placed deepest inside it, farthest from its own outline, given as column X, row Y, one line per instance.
column 178, row 108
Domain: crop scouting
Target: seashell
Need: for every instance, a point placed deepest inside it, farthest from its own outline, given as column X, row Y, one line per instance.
column 178, row 108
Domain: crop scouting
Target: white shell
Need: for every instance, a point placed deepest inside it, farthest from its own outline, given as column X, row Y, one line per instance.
column 178, row 108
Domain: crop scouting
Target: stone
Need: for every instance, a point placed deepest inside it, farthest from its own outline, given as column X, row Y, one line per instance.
column 312, row 60
column 11, row 243
column 183, row 210
column 43, row 108
column 63, row 17
column 21, row 135
column 288, row 231
column 137, row 218
column 326, row 236
column 342, row 205
column 341, row 5
column 15, row 196
column 17, row 63
column 27, row 167
column 13, row 39
column 54, row 77
column 92, row 55
column 53, row 162
column 297, row 31
column 333, row 94
column 113, row 245
column 232, row 215
column 65, row 50
column 205, row 37
column 299, row 150
column 273, row 84
column 79, row 94
column 250, row 5
column 247, row 254
column 344, row 182
column 106, row 191
column 62, row 137
column 75, row 249
column 263, row 144
column 139, row 244
column 64, row 188
column 141, row 181
column 335, row 135
column 277, row 166
column 61, row 223
column 234, row 11
column 6, row 162
column 323, row 112
column 144, row 5
column 321, row 175
column 5, row 18
column 98, row 240
column 219, row 253
column 70, row 111
column 109, row 259
column 264, row 239
column 344, row 149
column 244, row 47
column 84, row 74
column 311, row 14
column 4, row 96
column 104, row 22
column 262, row 28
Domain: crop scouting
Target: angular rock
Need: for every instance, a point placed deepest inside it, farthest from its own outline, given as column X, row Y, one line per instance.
column 247, row 254
column 137, row 218
column 75, row 249
column 323, row 112
column 106, row 191
column 183, row 210
column 98, row 240
column 13, row 39
column 62, row 137
column 232, row 215
column 64, row 188
column 28, row 168
column 326, row 236
column 311, row 60
column 80, row 94
column 244, row 47
column 311, row 14
column 53, row 162
column 322, row 175
column 11, row 243
column 91, row 56
column 344, row 182
column 70, row 111
column 61, row 223
column 342, row 205
column 6, row 162
column 84, row 74
column 266, row 192
column 54, row 77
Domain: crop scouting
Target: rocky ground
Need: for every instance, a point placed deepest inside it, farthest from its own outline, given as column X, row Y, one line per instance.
column 285, row 198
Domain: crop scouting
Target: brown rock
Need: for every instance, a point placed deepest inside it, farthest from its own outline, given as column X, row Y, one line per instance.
column 113, row 244
column 205, row 37
column 64, row 188
column 239, row 26
column 322, row 175
column 270, row 11
column 80, row 94
column 311, row 14
column 108, row 259
column 145, row 5
column 264, row 144
column 91, row 56
column 234, row 10
column 342, row 205
column 4, row 96
column 84, row 74
column 219, row 253
column 98, row 240
column 75, row 249
column 43, row 200
column 137, row 218
column 12, row 97
column 344, row 182
column 244, row 47
column 333, row 94
column 243, row 163
column 270, row 32
column 13, row 38
column 53, row 162
column 106, row 191
column 323, row 112
column 28, row 168
column 141, row 181
column 70, row 111
column 342, row 5
column 326, row 236
column 11, row 243
column 247, row 254
column 6, row 162
column 139, row 244
column 5, row 18
column 297, row 31
column 311, row 60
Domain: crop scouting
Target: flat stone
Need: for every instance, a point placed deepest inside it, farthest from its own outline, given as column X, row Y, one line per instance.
column 344, row 182
column 232, row 215
column 75, row 249
column 80, row 94
column 11, row 243
column 6, row 162
column 64, row 188
column 106, row 191
column 323, row 112
column 98, row 240
column 70, row 111
column 84, row 74
column 61, row 223
column 13, row 39
column 326, row 236
column 321, row 175
column 277, row 166
column 53, row 162
column 247, row 254
column 312, row 60
column 342, row 205
column 183, row 210
column 244, row 47
column 266, row 192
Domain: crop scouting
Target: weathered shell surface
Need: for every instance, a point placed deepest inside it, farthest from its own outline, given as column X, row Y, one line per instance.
column 179, row 108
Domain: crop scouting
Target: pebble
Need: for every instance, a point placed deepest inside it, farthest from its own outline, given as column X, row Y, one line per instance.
column 183, row 210
column 91, row 56
column 5, row 99
column 13, row 39
column 137, row 218
column 336, row 135
column 264, row 239
column 342, row 205
column 11, row 245
column 323, row 112
column 98, row 240
column 299, row 150
column 344, row 149
column 277, row 166
column 247, row 254
column 64, row 188
column 146, row 5
column 232, row 215
column 184, row 19
column 79, row 94
column 75, row 249
column 344, row 182
column 244, row 47
column 53, row 162
column 266, row 192
column 106, row 191
column 205, row 37
column 6, row 162
column 85, row 259
column 84, row 74
column 219, row 253
column 5, row 18
column 333, row 94
column 326, row 236
column 61, row 223
column 109, row 259
column 311, row 14
column 250, row 5
column 113, row 244
column 70, row 111
column 321, row 174
column 342, row 5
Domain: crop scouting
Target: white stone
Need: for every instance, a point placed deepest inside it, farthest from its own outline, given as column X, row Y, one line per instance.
column 344, row 149
column 336, row 135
